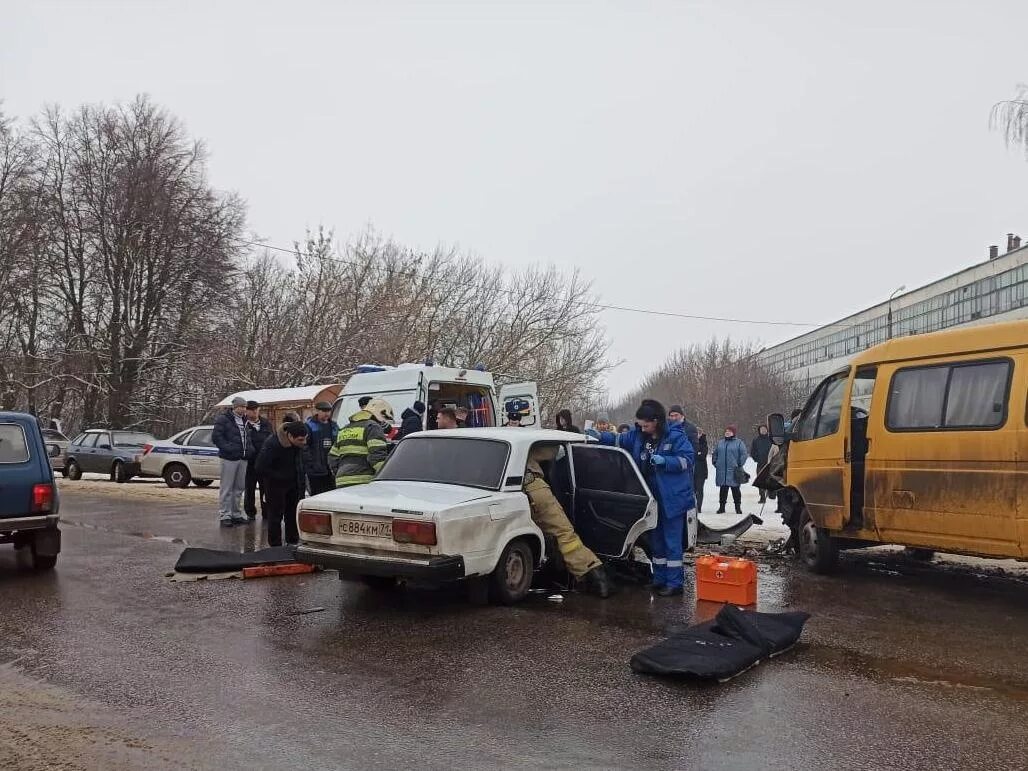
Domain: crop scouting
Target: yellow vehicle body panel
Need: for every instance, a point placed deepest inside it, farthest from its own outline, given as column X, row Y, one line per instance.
column 956, row 489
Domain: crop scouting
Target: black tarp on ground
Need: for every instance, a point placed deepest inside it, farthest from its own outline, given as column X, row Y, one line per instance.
column 194, row 560
column 721, row 649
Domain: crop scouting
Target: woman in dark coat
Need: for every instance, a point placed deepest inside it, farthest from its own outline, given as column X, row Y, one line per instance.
column 760, row 448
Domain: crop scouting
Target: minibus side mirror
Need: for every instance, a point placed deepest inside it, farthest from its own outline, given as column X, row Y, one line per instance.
column 776, row 427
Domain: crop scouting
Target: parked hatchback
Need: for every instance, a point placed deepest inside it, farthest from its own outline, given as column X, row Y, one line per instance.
column 108, row 451
column 28, row 495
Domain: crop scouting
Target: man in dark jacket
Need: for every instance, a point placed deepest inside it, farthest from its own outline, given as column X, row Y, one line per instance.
column 258, row 429
column 700, row 473
column 676, row 414
column 760, row 448
column 411, row 419
column 281, row 466
column 322, row 435
column 233, row 443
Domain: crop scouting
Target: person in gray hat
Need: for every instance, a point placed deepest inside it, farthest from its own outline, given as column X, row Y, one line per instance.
column 234, row 447
column 322, row 435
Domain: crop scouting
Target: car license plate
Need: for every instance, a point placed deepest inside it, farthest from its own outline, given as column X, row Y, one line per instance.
column 364, row 528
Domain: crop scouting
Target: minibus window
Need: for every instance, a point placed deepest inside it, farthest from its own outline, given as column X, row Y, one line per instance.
column 954, row 397
column 831, row 409
column 977, row 395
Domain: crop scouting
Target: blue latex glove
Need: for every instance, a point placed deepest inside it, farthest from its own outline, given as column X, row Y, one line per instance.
column 657, row 460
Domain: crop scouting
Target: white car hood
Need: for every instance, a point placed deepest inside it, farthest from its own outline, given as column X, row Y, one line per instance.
column 397, row 497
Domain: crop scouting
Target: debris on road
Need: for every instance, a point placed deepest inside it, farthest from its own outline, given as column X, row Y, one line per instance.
column 306, row 612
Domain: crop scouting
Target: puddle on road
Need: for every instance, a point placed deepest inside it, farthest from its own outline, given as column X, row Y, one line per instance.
column 913, row 674
column 131, row 533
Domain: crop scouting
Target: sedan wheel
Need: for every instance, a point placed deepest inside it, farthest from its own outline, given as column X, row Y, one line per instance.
column 177, row 475
column 118, row 473
column 512, row 578
column 73, row 471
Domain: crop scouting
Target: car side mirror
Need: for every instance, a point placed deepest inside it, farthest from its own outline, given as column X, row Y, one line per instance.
column 53, row 450
column 776, row 427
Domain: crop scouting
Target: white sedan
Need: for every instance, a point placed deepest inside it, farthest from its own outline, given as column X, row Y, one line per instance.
column 189, row 456
column 448, row 505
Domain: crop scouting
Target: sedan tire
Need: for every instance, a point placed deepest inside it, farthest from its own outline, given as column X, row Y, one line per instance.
column 177, row 475
column 73, row 471
column 512, row 578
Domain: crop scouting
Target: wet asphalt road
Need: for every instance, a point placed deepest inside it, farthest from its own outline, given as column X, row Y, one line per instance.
column 902, row 666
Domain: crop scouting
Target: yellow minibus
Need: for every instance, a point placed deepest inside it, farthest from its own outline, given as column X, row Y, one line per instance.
column 921, row 441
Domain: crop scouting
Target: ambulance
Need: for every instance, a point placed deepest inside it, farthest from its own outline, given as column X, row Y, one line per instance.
column 474, row 390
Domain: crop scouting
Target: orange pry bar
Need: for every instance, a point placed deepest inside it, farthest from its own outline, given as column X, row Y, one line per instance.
column 286, row 569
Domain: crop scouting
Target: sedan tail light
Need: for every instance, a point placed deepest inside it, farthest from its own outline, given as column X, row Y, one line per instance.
column 412, row 531
column 42, row 499
column 147, row 448
column 315, row 522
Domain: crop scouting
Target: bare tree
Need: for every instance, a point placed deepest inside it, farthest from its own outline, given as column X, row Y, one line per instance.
column 1011, row 117
column 719, row 383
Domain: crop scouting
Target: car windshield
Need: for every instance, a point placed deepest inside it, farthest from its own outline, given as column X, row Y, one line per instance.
column 131, row 439
column 449, row 461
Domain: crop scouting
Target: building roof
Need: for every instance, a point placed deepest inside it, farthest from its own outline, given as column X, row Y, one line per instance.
column 984, row 338
column 266, row 396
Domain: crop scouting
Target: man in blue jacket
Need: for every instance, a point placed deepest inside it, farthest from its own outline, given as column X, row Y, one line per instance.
column 322, row 435
column 663, row 453
column 233, row 442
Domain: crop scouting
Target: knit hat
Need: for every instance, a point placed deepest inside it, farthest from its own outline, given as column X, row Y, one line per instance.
column 732, row 427
column 675, row 408
column 323, row 407
column 651, row 409
column 419, row 407
column 238, row 401
column 252, row 405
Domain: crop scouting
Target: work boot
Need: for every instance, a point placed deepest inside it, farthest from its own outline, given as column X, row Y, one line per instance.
column 720, row 511
column 669, row 591
column 597, row 582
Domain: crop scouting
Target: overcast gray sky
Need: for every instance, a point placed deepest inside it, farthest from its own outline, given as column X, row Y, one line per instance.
column 785, row 160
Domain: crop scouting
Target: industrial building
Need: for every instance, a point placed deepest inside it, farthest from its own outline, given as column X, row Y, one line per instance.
column 993, row 290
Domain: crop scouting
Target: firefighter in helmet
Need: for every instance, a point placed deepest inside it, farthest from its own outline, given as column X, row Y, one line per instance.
column 361, row 448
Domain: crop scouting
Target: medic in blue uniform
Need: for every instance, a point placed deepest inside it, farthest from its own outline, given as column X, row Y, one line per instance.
column 666, row 459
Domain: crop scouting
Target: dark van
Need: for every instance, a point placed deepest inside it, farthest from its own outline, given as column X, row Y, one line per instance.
column 28, row 495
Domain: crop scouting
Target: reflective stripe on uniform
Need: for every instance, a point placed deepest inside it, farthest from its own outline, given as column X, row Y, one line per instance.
column 661, row 561
column 570, row 545
column 354, row 479
column 673, row 563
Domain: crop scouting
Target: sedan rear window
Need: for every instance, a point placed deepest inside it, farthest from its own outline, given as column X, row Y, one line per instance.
column 131, row 439
column 449, row 461
column 13, row 446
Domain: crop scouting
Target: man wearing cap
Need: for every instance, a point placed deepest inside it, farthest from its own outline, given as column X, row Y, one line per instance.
column 676, row 414
column 258, row 429
column 322, row 435
column 233, row 443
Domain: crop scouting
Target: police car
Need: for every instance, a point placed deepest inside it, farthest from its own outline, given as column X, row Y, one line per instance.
column 189, row 456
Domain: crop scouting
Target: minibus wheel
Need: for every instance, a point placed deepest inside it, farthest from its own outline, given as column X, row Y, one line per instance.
column 818, row 550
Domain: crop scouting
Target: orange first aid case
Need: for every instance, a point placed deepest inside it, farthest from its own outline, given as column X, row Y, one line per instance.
column 726, row 579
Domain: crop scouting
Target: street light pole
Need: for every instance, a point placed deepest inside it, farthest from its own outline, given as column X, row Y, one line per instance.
column 898, row 290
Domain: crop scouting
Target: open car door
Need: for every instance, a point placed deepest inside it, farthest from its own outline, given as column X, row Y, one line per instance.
column 612, row 505
column 524, row 398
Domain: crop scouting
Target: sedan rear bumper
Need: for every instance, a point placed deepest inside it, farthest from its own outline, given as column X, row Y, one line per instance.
column 442, row 568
